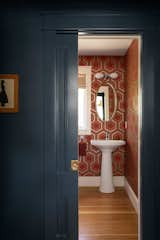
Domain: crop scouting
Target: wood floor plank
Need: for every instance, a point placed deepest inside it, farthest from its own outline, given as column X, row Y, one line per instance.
column 106, row 216
column 91, row 237
column 108, row 223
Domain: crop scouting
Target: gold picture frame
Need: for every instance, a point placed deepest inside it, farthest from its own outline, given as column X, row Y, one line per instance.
column 9, row 91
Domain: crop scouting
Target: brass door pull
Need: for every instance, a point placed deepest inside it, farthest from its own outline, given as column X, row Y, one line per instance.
column 74, row 165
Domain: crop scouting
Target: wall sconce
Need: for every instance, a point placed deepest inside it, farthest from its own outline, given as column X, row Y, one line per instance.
column 100, row 75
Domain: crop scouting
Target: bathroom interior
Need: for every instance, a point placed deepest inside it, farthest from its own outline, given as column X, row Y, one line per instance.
column 109, row 123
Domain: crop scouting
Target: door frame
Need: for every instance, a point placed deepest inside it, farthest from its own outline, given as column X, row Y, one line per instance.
column 125, row 23
column 139, row 36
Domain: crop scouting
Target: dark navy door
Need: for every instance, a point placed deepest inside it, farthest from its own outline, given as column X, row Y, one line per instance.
column 60, row 109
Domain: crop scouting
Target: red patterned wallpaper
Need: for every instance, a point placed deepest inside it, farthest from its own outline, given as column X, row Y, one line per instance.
column 91, row 163
column 131, row 164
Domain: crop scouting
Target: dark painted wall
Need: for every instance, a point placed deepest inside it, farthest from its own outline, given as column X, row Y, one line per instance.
column 123, row 5
column 21, row 134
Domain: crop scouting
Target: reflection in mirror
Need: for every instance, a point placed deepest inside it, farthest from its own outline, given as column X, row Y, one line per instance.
column 106, row 102
column 102, row 103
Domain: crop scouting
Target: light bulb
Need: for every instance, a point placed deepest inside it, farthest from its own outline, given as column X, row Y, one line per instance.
column 113, row 75
column 99, row 75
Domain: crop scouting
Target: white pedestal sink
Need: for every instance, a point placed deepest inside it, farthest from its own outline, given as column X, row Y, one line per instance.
column 107, row 147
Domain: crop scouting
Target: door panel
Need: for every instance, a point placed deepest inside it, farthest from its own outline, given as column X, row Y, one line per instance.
column 61, row 184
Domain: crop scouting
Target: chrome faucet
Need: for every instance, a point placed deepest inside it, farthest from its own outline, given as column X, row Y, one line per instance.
column 107, row 135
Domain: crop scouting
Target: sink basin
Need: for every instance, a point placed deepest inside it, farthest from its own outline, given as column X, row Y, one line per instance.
column 107, row 144
column 107, row 147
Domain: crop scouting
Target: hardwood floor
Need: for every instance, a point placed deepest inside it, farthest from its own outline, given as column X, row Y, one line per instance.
column 106, row 216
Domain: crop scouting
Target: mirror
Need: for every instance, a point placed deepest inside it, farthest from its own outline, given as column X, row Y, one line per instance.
column 106, row 102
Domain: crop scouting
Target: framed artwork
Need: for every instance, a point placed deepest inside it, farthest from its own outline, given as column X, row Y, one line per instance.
column 9, row 85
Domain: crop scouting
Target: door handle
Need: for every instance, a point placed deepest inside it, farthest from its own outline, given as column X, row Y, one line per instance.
column 74, row 165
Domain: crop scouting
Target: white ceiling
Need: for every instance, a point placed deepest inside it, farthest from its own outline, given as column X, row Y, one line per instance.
column 103, row 45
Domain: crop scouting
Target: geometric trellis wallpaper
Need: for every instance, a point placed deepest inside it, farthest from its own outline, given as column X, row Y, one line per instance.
column 132, row 116
column 91, row 163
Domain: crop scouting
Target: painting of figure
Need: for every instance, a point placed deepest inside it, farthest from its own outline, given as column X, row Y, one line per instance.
column 3, row 94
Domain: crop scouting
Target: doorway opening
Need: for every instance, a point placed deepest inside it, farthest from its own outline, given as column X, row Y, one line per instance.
column 109, row 126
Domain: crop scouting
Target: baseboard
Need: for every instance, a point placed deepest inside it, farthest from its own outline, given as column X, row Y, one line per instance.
column 92, row 181
column 132, row 196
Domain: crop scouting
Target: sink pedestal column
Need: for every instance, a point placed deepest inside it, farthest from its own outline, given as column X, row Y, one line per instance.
column 106, row 179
